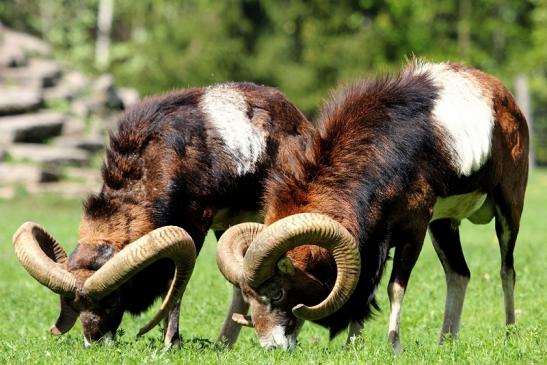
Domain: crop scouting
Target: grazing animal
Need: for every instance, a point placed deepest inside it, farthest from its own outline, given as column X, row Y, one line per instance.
column 194, row 159
column 427, row 148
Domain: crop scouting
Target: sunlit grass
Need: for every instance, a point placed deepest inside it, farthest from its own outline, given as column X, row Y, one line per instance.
column 27, row 309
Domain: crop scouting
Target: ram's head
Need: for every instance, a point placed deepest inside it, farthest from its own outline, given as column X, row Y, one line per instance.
column 93, row 292
column 271, row 266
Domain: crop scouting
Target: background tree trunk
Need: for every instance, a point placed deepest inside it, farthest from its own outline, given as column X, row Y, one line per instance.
column 464, row 28
column 522, row 92
column 104, row 25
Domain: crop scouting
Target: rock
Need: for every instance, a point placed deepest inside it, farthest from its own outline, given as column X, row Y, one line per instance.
column 104, row 92
column 49, row 154
column 90, row 176
column 7, row 192
column 23, row 42
column 74, row 127
column 67, row 190
column 40, row 72
column 12, row 56
column 15, row 46
column 20, row 100
column 107, row 123
column 128, row 96
column 31, row 128
column 81, row 108
column 27, row 174
column 89, row 143
column 70, row 86
column 104, row 84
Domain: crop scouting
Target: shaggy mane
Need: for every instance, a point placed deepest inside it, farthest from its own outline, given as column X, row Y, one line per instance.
column 369, row 132
column 138, row 126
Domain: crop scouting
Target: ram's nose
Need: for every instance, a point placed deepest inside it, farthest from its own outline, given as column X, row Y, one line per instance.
column 107, row 339
column 278, row 339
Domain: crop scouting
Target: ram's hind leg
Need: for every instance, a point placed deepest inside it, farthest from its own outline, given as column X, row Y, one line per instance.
column 404, row 260
column 446, row 241
column 507, row 227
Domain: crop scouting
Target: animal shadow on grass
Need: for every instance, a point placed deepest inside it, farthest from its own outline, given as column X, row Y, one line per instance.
column 195, row 343
column 198, row 343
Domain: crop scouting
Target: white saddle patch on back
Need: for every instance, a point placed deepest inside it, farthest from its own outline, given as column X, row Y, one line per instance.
column 464, row 113
column 458, row 206
column 225, row 107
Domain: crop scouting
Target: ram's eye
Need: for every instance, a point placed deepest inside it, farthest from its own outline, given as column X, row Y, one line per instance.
column 277, row 296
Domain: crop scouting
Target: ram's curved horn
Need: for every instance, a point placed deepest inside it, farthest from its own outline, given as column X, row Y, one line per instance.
column 166, row 242
column 302, row 229
column 43, row 258
column 231, row 249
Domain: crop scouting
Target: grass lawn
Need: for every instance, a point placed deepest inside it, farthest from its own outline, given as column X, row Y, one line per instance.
column 27, row 309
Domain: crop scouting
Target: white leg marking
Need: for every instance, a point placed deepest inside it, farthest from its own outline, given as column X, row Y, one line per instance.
column 464, row 111
column 226, row 109
column 396, row 294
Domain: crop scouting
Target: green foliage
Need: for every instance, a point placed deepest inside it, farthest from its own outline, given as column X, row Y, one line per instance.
column 21, row 14
column 68, row 25
column 61, row 105
column 537, row 65
column 305, row 48
column 173, row 45
column 28, row 308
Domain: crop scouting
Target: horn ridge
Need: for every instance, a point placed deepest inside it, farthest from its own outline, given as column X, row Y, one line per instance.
column 303, row 229
column 231, row 248
column 166, row 242
column 43, row 258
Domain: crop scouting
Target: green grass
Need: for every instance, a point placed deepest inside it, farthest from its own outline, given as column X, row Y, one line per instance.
column 27, row 309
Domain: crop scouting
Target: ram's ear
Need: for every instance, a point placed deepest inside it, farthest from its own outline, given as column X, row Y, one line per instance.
column 285, row 266
column 67, row 319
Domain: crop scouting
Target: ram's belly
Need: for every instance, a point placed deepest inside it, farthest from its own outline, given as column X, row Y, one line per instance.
column 472, row 205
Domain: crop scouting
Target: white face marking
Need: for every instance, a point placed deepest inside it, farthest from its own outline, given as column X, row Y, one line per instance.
column 108, row 338
column 277, row 339
column 226, row 109
column 458, row 206
column 464, row 113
